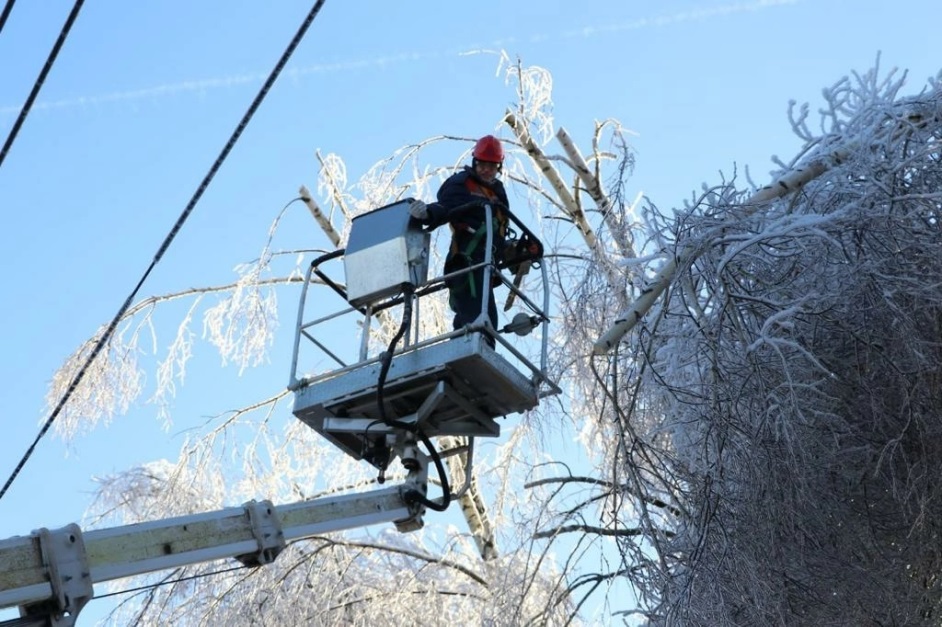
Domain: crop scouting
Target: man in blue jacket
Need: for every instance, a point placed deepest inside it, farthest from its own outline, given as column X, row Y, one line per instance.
column 477, row 184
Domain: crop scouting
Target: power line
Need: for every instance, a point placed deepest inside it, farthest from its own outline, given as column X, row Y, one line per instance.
column 106, row 336
column 167, row 582
column 6, row 13
column 42, row 75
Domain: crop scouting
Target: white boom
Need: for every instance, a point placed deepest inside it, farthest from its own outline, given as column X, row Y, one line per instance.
column 50, row 573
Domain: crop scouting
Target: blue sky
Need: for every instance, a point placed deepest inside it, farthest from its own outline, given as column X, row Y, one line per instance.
column 144, row 95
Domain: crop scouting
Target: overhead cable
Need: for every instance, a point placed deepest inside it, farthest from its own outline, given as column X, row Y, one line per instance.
column 106, row 336
column 6, row 13
column 42, row 74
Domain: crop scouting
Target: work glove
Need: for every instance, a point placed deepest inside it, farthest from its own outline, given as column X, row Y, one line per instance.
column 418, row 210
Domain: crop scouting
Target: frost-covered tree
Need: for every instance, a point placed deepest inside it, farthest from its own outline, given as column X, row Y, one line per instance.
column 774, row 413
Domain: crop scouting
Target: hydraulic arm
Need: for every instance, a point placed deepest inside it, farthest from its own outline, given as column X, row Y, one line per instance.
column 50, row 573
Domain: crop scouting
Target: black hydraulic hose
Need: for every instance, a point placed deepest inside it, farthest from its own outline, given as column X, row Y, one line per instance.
column 418, row 497
column 413, row 495
column 327, row 256
column 386, row 359
column 323, row 277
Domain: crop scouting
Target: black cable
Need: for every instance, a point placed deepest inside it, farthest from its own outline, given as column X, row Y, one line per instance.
column 412, row 495
column 323, row 277
column 167, row 582
column 42, row 74
column 106, row 336
column 418, row 497
column 386, row 360
column 6, row 13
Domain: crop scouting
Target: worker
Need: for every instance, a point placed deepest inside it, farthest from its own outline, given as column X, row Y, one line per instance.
column 480, row 183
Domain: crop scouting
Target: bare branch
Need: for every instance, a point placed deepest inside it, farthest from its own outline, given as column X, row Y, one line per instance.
column 588, row 529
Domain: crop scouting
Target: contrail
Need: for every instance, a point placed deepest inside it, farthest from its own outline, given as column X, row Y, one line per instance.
column 586, row 32
column 697, row 15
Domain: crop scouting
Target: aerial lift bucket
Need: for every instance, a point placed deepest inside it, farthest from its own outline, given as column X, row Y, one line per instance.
column 453, row 384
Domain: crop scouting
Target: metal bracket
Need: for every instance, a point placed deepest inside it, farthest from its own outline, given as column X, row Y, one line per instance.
column 336, row 424
column 66, row 564
column 417, row 481
column 266, row 527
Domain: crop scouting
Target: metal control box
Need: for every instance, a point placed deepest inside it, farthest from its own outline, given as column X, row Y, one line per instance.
column 386, row 250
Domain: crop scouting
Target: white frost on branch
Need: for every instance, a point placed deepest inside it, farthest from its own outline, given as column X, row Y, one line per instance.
column 534, row 86
column 242, row 326
column 112, row 383
column 172, row 369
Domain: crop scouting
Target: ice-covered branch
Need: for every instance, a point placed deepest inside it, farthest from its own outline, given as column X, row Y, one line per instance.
column 322, row 220
column 594, row 188
column 784, row 185
column 588, row 529
column 567, row 202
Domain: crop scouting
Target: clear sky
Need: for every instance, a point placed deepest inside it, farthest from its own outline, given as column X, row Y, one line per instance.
column 144, row 95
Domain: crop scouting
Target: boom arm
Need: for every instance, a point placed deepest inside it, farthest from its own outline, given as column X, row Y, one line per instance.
column 50, row 574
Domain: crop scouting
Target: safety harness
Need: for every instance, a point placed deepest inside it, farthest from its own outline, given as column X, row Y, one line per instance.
column 477, row 235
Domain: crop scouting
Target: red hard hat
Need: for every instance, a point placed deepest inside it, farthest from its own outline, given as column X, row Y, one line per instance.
column 488, row 148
